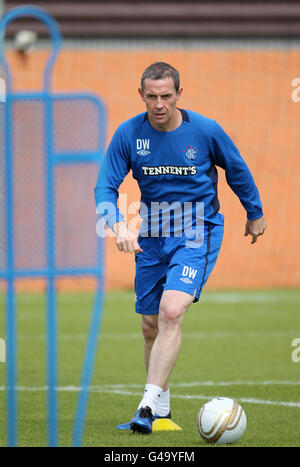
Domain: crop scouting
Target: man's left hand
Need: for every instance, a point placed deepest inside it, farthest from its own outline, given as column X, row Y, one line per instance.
column 255, row 228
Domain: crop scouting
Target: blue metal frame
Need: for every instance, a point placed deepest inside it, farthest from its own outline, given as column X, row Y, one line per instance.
column 11, row 341
column 51, row 272
column 42, row 15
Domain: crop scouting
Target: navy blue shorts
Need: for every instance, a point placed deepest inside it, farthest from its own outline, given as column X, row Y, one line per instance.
column 168, row 263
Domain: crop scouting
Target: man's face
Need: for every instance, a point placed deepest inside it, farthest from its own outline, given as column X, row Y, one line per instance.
column 160, row 98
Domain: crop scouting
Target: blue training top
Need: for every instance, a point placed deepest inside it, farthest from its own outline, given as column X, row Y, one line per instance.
column 176, row 167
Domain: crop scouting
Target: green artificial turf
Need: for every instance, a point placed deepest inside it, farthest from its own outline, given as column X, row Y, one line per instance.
column 235, row 343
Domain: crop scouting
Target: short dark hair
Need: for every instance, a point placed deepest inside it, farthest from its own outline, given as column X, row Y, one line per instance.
column 160, row 70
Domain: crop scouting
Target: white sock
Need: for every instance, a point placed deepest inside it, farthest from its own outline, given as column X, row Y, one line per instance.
column 163, row 407
column 151, row 397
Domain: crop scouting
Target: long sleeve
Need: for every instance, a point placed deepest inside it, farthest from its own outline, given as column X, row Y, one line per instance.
column 226, row 155
column 114, row 169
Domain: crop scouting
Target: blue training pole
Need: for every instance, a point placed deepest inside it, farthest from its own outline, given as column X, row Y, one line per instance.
column 11, row 364
column 51, row 292
column 88, row 366
column 52, row 365
column 11, row 367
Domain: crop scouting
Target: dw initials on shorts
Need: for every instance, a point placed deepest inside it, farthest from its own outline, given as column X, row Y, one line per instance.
column 168, row 264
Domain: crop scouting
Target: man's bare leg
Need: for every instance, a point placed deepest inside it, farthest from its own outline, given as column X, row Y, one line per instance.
column 166, row 345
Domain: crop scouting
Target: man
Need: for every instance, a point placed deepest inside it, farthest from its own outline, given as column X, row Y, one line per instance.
column 173, row 154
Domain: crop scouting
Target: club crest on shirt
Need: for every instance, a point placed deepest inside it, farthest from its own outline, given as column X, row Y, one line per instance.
column 190, row 152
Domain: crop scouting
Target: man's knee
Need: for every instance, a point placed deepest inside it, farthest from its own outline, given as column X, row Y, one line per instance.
column 173, row 306
column 171, row 313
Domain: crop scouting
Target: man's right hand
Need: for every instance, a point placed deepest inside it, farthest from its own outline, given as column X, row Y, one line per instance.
column 125, row 240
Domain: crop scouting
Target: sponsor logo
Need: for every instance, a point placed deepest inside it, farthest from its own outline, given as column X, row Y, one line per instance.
column 186, row 280
column 143, row 147
column 170, row 170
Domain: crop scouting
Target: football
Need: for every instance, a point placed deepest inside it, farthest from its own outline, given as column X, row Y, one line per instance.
column 221, row 421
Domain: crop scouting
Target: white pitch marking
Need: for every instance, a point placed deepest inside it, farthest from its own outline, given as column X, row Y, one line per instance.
column 186, row 335
column 121, row 390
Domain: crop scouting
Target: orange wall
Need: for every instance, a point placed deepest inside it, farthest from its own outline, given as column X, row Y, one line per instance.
column 249, row 93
